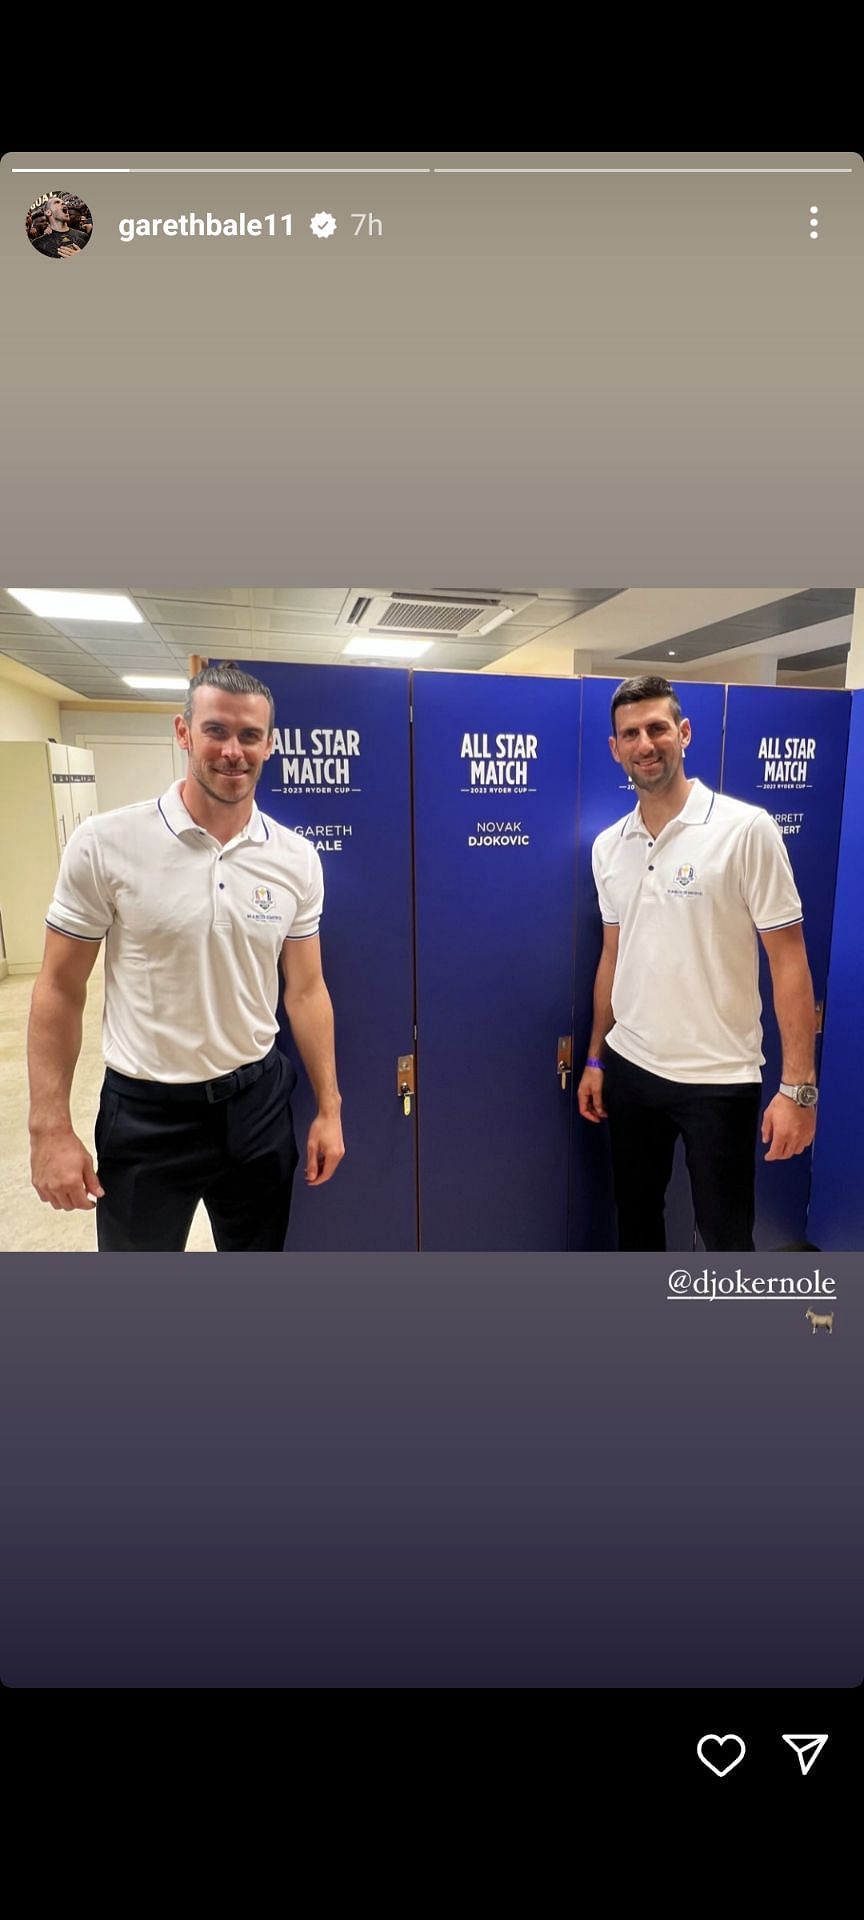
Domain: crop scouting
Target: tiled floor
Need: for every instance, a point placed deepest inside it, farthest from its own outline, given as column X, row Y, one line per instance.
column 28, row 1225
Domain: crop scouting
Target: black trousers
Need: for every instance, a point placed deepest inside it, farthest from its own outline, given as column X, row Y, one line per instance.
column 162, row 1149
column 718, row 1127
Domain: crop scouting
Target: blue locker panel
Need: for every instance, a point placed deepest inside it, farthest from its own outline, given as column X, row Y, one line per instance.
column 495, row 786
column 605, row 795
column 836, row 1216
column 786, row 751
column 340, row 775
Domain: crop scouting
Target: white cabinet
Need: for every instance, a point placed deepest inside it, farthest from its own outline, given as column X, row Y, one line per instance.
column 45, row 791
column 82, row 783
column 61, row 794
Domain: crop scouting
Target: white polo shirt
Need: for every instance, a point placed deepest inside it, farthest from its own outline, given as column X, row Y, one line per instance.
column 689, row 903
column 193, row 931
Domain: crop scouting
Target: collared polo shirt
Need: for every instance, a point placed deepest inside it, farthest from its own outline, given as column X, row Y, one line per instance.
column 689, row 904
column 193, row 931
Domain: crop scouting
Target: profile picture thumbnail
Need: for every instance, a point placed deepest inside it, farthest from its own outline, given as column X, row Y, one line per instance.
column 59, row 225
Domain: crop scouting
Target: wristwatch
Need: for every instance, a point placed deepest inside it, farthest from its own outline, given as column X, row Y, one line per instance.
column 803, row 1096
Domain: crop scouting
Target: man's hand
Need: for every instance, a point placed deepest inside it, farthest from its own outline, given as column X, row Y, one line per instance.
column 787, row 1129
column 324, row 1149
column 589, row 1094
column 62, row 1171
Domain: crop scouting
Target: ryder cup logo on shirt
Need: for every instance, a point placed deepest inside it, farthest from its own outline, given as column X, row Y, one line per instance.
column 682, row 887
column 262, row 902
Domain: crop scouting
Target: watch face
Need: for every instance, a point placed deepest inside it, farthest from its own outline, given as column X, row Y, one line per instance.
column 807, row 1096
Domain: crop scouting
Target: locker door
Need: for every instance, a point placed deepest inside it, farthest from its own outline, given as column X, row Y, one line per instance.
column 836, row 1215
column 340, row 777
column 82, row 783
column 495, row 784
column 61, row 793
column 605, row 795
column 786, row 751
column 126, row 771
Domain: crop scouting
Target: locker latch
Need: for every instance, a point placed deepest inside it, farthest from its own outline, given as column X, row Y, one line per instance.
column 565, row 1058
column 405, row 1081
column 820, row 1011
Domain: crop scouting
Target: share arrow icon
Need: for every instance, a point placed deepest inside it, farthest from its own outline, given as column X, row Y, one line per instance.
column 808, row 1747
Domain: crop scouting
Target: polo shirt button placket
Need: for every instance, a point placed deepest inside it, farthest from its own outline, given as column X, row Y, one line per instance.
column 221, row 916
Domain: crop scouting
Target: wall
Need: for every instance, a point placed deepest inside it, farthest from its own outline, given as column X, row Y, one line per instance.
column 26, row 714
column 145, row 719
column 137, row 768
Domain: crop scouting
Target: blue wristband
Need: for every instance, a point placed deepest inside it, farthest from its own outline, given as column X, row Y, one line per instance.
column 596, row 1063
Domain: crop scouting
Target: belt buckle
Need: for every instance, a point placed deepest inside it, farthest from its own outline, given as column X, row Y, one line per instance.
column 218, row 1090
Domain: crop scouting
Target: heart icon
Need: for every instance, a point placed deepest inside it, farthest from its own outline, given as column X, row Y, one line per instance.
column 718, row 1741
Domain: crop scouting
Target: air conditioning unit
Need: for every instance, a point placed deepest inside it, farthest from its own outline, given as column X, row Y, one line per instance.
column 427, row 616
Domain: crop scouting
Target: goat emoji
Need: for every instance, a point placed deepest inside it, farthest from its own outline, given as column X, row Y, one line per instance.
column 825, row 1320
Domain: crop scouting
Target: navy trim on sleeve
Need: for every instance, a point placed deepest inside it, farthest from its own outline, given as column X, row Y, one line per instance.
column 75, row 936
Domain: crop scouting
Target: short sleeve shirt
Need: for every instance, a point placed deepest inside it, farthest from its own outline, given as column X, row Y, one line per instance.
column 193, row 932
column 689, row 904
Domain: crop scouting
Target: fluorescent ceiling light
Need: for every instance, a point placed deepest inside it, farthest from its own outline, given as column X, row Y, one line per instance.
column 373, row 649
column 170, row 680
column 56, row 604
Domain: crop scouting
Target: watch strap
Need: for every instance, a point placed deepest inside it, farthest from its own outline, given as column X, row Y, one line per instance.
column 793, row 1091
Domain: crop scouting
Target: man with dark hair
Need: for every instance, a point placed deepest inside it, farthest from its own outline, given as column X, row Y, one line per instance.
column 645, row 686
column 201, row 900
column 685, row 882
column 229, row 679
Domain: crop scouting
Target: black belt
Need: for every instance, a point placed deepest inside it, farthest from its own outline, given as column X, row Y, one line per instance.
column 212, row 1091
